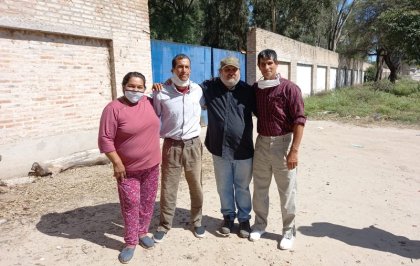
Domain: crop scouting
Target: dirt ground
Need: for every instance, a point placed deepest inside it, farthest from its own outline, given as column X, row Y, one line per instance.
column 358, row 204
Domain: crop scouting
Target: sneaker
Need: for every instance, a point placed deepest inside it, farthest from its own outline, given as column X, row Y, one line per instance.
column 146, row 242
column 244, row 229
column 227, row 226
column 287, row 240
column 158, row 236
column 126, row 255
column 199, row 232
column 256, row 235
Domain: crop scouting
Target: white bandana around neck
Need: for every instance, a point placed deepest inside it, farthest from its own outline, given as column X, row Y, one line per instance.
column 269, row 83
column 178, row 82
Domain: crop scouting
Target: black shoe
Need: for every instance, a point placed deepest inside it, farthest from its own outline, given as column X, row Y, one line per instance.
column 227, row 226
column 244, row 229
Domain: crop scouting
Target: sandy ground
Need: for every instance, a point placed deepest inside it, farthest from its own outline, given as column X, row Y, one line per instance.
column 358, row 204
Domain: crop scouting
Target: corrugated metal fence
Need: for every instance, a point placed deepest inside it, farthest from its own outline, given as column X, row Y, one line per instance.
column 205, row 61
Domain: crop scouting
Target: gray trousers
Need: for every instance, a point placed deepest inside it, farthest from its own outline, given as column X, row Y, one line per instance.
column 178, row 155
column 270, row 159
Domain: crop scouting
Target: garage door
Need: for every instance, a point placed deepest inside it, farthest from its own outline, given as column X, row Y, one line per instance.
column 333, row 78
column 321, row 79
column 304, row 78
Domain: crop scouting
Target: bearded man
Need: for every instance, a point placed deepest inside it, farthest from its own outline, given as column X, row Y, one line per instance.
column 230, row 103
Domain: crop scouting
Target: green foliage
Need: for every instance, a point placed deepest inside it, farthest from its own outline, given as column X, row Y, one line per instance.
column 225, row 24
column 303, row 20
column 176, row 20
column 382, row 85
column 401, row 31
column 406, row 88
column 370, row 73
column 375, row 101
column 388, row 29
column 216, row 23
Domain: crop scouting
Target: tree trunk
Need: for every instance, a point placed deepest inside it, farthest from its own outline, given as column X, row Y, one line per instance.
column 379, row 64
column 79, row 159
column 393, row 61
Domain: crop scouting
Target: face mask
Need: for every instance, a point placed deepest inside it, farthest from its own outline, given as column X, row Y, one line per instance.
column 133, row 96
column 178, row 82
column 269, row 83
column 229, row 83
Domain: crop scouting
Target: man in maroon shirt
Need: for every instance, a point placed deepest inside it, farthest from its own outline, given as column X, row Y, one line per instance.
column 280, row 126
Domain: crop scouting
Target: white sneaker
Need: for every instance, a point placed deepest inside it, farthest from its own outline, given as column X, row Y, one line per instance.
column 287, row 241
column 256, row 235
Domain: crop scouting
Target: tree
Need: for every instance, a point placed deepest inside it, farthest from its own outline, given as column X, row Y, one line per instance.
column 388, row 28
column 338, row 17
column 308, row 21
column 225, row 23
column 176, row 20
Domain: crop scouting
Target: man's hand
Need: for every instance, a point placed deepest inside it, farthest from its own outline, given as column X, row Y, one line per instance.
column 292, row 159
column 159, row 86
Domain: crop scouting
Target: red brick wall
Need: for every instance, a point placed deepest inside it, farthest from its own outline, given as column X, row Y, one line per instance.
column 61, row 62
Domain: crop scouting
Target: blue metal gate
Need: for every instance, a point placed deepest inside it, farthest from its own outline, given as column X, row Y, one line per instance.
column 205, row 61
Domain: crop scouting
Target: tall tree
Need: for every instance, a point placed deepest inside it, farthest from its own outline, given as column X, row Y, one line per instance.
column 176, row 20
column 389, row 29
column 338, row 18
column 302, row 20
column 225, row 23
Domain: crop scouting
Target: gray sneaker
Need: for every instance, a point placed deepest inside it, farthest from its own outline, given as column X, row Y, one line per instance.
column 158, row 236
column 227, row 226
column 244, row 229
column 199, row 232
column 146, row 242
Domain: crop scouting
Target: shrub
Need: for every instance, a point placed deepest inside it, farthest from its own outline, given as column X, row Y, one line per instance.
column 370, row 73
column 383, row 85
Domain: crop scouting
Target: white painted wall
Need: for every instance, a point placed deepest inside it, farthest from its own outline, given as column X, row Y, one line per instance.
column 283, row 69
column 304, row 78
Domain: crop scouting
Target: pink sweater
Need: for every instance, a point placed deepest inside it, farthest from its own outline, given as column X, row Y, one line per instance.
column 131, row 131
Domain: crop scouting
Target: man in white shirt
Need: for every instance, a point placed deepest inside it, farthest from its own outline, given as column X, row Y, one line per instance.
column 179, row 107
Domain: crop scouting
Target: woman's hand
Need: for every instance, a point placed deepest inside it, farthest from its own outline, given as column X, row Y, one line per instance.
column 119, row 170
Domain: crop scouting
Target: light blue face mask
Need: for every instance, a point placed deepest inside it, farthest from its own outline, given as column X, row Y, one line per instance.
column 133, row 96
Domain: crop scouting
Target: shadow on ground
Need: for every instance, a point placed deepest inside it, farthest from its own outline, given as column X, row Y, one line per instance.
column 370, row 237
column 97, row 223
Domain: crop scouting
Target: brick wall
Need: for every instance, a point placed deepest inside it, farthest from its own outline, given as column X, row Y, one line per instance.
column 61, row 62
column 293, row 54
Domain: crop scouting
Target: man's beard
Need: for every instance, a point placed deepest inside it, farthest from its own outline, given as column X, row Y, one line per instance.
column 229, row 83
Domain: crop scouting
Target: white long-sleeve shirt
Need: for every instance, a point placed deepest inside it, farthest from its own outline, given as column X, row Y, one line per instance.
column 180, row 113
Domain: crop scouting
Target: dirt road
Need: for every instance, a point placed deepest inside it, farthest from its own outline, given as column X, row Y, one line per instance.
column 358, row 204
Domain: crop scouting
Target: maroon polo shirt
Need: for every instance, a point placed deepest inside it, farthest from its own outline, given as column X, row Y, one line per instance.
column 279, row 108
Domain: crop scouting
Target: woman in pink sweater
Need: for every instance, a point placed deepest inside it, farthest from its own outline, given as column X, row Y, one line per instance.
column 129, row 136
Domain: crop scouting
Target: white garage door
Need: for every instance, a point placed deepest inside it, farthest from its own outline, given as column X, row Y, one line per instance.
column 348, row 77
column 321, row 77
column 304, row 78
column 333, row 78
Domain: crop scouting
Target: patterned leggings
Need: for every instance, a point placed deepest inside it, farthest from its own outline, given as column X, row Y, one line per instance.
column 137, row 195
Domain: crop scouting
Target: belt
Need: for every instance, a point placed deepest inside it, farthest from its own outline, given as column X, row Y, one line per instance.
column 181, row 141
